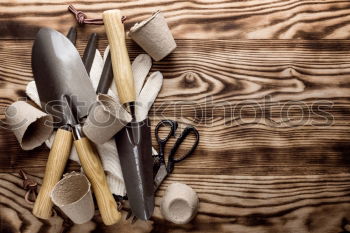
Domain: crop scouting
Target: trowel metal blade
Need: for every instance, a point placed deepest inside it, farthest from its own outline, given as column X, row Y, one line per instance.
column 60, row 75
column 135, row 154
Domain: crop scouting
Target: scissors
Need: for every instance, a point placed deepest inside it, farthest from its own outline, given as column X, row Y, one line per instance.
column 166, row 169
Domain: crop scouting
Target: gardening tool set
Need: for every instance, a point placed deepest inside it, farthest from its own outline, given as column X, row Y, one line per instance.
column 99, row 123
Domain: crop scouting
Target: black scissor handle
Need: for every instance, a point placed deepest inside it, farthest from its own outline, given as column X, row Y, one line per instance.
column 166, row 123
column 162, row 141
column 172, row 160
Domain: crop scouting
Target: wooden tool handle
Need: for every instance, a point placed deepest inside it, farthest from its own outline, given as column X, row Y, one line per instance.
column 123, row 76
column 55, row 165
column 94, row 171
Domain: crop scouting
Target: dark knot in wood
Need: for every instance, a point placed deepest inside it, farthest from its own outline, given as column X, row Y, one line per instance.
column 190, row 78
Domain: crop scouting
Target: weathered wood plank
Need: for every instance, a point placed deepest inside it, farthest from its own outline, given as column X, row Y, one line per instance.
column 266, row 204
column 201, row 19
column 271, row 113
column 296, row 120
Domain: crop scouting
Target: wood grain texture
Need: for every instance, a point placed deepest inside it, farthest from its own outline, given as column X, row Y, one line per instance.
column 295, row 123
column 200, row 19
column 272, row 111
column 266, row 204
column 56, row 163
column 123, row 77
column 93, row 169
column 16, row 214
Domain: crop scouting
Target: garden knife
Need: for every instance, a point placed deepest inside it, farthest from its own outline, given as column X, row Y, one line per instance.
column 134, row 140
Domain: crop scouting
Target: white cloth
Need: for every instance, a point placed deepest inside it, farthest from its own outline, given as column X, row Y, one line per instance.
column 146, row 92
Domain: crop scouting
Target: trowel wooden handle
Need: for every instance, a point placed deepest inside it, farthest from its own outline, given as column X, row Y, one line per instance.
column 94, row 171
column 123, row 76
column 55, row 165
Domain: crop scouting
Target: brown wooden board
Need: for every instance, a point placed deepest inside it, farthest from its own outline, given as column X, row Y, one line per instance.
column 200, row 19
column 266, row 83
column 228, row 203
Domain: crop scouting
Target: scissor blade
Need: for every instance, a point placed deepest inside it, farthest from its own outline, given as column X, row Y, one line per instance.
column 161, row 175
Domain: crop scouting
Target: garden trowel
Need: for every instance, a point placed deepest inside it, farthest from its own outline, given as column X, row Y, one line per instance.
column 134, row 140
column 66, row 92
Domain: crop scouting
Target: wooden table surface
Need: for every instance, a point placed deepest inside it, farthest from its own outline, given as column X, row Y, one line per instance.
column 267, row 84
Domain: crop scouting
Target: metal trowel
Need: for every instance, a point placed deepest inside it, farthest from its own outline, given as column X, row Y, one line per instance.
column 66, row 92
column 134, row 140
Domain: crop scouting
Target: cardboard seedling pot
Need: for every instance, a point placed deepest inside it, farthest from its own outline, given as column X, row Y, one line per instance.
column 72, row 195
column 105, row 119
column 30, row 125
column 154, row 36
column 179, row 204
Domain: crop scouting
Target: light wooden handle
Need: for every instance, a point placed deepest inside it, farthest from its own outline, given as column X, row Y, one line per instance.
column 94, row 171
column 55, row 165
column 123, row 76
